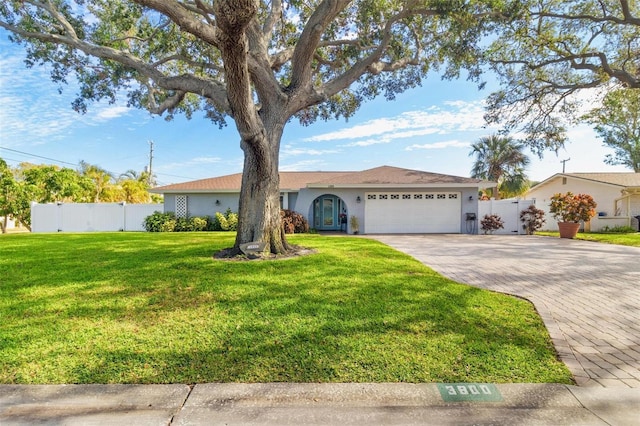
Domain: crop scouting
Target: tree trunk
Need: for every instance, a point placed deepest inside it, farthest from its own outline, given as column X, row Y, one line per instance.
column 259, row 207
column 260, row 128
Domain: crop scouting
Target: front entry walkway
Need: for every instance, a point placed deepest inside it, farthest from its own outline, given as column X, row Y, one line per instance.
column 588, row 294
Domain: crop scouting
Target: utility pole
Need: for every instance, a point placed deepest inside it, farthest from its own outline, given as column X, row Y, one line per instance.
column 151, row 163
column 563, row 163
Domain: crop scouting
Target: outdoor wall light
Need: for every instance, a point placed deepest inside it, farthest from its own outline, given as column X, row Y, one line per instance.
column 470, row 197
column 358, row 199
column 217, row 202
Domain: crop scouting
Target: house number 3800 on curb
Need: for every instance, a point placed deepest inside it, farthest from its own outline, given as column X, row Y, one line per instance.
column 468, row 389
column 460, row 392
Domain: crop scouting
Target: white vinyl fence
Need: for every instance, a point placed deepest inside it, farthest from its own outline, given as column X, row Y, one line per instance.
column 508, row 210
column 87, row 217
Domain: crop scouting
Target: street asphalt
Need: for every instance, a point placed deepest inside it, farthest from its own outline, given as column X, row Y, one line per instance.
column 588, row 295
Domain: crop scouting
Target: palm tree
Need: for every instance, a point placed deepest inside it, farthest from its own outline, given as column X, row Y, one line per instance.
column 500, row 159
column 101, row 178
column 145, row 177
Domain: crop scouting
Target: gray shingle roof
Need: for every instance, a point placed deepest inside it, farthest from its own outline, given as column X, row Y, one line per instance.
column 387, row 175
column 621, row 179
column 384, row 175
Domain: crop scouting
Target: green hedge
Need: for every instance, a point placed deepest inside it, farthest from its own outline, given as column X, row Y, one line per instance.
column 228, row 221
column 168, row 222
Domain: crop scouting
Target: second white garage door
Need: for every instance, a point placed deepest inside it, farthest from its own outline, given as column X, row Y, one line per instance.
column 412, row 212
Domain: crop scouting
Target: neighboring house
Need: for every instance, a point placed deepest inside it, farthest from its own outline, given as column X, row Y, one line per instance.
column 384, row 199
column 617, row 195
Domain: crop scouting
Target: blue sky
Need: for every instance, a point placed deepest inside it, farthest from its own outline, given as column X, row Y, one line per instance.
column 430, row 128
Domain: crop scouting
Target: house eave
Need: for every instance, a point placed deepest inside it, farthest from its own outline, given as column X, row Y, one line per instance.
column 195, row 191
column 396, row 185
column 584, row 179
column 210, row 191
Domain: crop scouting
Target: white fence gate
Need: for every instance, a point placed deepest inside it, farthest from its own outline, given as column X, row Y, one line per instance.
column 508, row 210
column 87, row 217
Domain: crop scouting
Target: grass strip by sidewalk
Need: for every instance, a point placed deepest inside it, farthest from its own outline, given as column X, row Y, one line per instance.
column 156, row 308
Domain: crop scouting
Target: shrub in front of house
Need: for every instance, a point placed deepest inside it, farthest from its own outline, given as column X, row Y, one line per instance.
column 294, row 222
column 490, row 223
column 191, row 224
column 168, row 222
column 160, row 222
column 227, row 221
column 199, row 223
column 532, row 219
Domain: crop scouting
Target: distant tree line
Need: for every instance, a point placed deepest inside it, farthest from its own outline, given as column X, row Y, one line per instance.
column 27, row 183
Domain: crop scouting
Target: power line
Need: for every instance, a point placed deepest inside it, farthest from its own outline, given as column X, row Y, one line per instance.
column 11, row 159
column 75, row 164
column 37, row 156
column 183, row 177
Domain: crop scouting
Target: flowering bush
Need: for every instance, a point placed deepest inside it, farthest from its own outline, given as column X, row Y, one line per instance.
column 490, row 223
column 572, row 208
column 532, row 219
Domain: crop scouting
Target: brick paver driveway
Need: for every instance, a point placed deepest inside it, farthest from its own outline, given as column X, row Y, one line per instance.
column 588, row 294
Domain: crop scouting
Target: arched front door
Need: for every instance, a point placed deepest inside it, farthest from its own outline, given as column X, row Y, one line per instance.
column 326, row 213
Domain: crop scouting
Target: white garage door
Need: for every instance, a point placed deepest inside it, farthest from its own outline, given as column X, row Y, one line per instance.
column 412, row 212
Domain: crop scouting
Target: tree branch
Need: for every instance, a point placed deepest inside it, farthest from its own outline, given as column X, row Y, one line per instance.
column 56, row 15
column 187, row 83
column 234, row 17
column 627, row 19
column 274, row 15
column 309, row 39
column 371, row 63
column 184, row 18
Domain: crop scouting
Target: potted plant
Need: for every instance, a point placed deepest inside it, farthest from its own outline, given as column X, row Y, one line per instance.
column 569, row 210
column 355, row 224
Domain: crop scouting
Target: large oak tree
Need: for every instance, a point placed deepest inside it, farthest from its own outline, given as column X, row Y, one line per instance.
column 551, row 53
column 260, row 63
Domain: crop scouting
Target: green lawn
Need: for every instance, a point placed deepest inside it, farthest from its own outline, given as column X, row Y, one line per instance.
column 632, row 239
column 156, row 308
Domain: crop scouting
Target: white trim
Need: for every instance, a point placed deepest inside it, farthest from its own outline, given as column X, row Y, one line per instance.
column 399, row 186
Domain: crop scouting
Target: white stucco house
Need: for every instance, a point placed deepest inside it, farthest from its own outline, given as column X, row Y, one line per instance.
column 384, row 199
column 617, row 195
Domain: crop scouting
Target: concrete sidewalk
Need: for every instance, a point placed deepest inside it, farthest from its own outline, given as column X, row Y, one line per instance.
column 312, row 404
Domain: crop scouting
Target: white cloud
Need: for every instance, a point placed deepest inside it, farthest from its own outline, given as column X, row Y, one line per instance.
column 111, row 112
column 439, row 145
column 33, row 112
column 298, row 151
column 193, row 162
column 205, row 160
column 455, row 116
column 303, row 165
